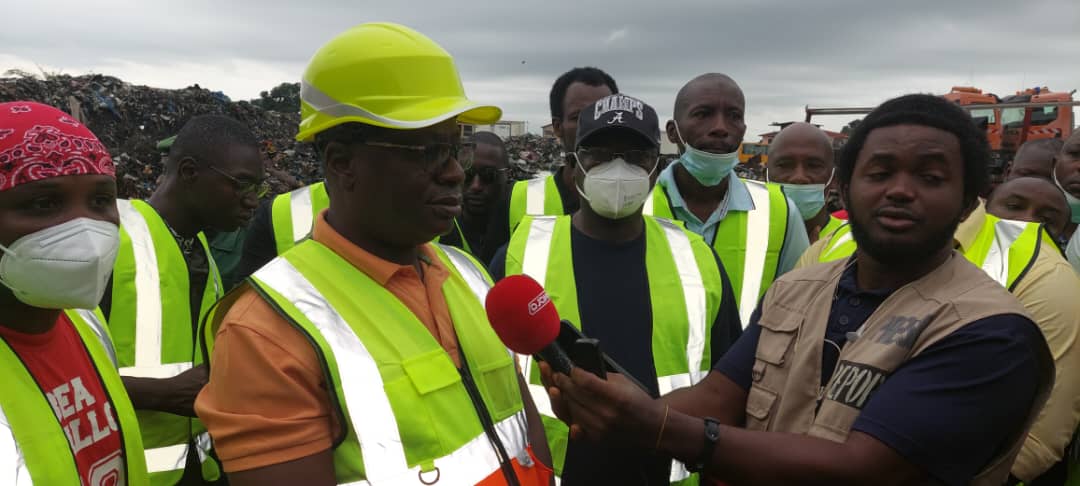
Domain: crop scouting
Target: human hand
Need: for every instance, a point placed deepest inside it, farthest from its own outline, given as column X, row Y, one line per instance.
column 614, row 410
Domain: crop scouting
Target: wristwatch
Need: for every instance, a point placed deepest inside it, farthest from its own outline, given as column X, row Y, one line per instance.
column 712, row 435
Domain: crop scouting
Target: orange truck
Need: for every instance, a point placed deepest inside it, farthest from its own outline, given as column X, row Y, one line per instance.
column 1030, row 114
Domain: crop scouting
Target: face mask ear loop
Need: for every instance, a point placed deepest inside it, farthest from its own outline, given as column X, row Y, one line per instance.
column 679, row 133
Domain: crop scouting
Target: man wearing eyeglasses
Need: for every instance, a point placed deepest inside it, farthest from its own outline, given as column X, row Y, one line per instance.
column 482, row 228
column 165, row 280
column 363, row 355
column 653, row 293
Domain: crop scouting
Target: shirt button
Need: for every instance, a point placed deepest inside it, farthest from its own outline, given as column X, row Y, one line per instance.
column 843, row 320
column 854, row 301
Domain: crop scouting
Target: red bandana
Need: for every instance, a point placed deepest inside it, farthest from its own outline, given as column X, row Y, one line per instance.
column 40, row 142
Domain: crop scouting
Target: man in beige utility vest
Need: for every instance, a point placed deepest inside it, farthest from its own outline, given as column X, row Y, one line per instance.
column 904, row 364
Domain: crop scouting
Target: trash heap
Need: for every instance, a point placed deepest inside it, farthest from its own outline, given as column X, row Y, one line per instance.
column 130, row 120
column 531, row 155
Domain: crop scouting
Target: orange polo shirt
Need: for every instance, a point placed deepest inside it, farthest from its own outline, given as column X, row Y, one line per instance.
column 267, row 400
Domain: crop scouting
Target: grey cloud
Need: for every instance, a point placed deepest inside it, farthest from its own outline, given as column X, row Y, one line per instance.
column 785, row 54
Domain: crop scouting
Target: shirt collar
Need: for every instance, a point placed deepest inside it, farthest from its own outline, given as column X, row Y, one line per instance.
column 737, row 197
column 381, row 271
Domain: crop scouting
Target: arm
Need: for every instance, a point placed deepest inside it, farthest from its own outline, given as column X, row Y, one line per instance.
column 314, row 470
column 795, row 241
column 289, row 423
column 537, row 438
column 1050, row 296
column 979, row 403
column 174, row 395
column 259, row 246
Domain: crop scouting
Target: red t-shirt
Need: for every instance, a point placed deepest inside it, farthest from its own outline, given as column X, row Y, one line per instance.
column 60, row 364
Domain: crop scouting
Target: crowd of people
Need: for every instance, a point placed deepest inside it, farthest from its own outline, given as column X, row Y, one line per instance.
column 215, row 333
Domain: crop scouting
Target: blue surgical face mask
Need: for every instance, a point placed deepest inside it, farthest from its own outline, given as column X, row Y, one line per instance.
column 708, row 168
column 1074, row 202
column 809, row 198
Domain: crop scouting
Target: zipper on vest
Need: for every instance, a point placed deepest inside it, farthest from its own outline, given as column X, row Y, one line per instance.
column 487, row 423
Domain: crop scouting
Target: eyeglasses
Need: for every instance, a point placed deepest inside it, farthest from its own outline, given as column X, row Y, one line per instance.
column 488, row 175
column 595, row 155
column 435, row 154
column 243, row 188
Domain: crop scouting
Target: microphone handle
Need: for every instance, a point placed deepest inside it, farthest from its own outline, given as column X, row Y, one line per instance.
column 555, row 357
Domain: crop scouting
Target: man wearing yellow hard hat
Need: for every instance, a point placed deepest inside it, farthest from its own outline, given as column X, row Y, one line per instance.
column 364, row 355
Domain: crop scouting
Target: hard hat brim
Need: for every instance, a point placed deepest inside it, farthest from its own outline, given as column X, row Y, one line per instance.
column 412, row 116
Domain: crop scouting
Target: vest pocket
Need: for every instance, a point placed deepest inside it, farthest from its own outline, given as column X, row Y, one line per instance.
column 759, row 405
column 778, row 331
column 499, row 385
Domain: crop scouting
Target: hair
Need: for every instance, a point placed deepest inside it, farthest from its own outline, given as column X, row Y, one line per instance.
column 1051, row 145
column 488, row 138
column 931, row 111
column 205, row 138
column 588, row 75
column 681, row 98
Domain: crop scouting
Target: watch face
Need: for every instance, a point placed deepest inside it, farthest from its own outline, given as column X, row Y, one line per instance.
column 712, row 430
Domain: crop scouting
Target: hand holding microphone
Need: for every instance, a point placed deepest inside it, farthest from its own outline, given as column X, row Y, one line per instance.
column 602, row 406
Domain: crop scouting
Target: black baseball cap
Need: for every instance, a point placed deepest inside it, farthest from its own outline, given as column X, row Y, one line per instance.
column 619, row 112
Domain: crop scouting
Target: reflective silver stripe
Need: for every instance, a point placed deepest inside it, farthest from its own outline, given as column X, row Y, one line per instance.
column 693, row 296
column 996, row 264
column 160, row 371
column 203, row 446
column 327, row 105
column 473, row 276
column 98, row 327
column 370, row 413
column 169, row 458
column 537, row 247
column 844, row 238
column 300, row 211
column 535, row 265
column 757, row 246
column 469, row 464
column 148, row 319
column 678, row 472
column 13, row 468
column 647, row 209
column 535, row 192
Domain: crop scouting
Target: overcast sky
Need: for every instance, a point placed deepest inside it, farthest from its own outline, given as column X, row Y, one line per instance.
column 784, row 54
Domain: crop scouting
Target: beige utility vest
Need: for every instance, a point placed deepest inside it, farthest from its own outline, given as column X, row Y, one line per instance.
column 786, row 387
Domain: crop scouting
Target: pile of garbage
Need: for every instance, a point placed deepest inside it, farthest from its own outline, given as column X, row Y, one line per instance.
column 531, row 155
column 130, row 120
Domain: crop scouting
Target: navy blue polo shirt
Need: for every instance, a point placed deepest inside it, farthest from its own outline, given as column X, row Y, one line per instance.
column 943, row 409
column 615, row 307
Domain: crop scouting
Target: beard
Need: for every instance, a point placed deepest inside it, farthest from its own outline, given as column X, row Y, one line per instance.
column 897, row 254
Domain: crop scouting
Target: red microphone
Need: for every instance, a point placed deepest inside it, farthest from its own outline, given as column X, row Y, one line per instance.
column 526, row 321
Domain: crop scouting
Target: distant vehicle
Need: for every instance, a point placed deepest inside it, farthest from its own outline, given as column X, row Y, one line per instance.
column 1032, row 114
column 750, row 152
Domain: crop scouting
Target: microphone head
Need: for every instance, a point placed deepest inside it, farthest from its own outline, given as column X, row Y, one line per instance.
column 522, row 314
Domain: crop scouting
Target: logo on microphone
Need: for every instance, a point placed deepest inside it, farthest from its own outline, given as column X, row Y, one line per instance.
column 538, row 302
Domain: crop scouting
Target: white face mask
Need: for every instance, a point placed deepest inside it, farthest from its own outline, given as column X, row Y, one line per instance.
column 66, row 266
column 615, row 189
column 708, row 168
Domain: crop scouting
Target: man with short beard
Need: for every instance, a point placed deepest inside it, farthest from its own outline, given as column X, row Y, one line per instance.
column 904, row 364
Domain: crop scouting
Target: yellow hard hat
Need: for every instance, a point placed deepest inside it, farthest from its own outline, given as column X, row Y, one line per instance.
column 386, row 75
